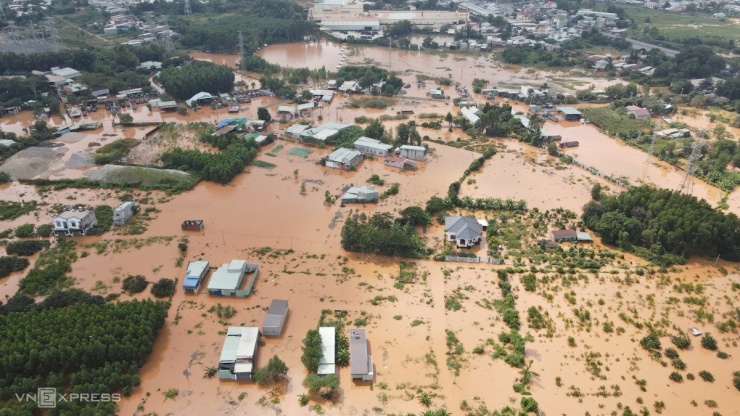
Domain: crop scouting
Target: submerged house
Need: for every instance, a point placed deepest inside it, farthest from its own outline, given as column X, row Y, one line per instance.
column 343, row 158
column 360, row 361
column 412, row 152
column 400, row 162
column 328, row 360
column 124, row 212
column 77, row 222
column 571, row 235
column 194, row 276
column 360, row 195
column 272, row 326
column 570, row 113
column 464, row 231
column 227, row 279
column 239, row 353
column 368, row 146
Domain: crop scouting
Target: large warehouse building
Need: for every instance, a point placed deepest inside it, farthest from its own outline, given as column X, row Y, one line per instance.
column 348, row 15
column 338, row 25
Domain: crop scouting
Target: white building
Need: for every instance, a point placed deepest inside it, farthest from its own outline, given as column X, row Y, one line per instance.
column 343, row 158
column 412, row 152
column 369, row 146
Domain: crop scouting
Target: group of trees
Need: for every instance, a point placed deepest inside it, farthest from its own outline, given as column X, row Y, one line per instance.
column 88, row 347
column 194, row 77
column 664, row 226
column 538, row 56
column 217, row 167
column 366, row 76
column 381, row 234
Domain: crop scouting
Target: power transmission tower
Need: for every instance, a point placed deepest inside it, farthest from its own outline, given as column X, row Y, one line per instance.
column 3, row 18
column 167, row 37
column 188, row 10
column 687, row 183
column 652, row 142
column 241, row 50
column 54, row 38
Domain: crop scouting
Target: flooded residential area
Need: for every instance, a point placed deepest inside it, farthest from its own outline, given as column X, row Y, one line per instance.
column 483, row 239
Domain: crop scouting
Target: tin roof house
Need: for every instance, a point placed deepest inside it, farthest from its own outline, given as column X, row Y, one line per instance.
column 360, row 195
column 360, row 361
column 238, row 353
column 327, row 362
column 368, row 146
column 343, row 158
column 124, row 212
column 227, row 279
column 272, row 326
column 194, row 276
column 412, row 152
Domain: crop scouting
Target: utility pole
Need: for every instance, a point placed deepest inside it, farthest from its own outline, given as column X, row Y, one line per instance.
column 188, row 10
column 687, row 183
column 241, row 50
column 167, row 37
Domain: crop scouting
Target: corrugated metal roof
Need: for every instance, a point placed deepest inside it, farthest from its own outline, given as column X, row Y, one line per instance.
column 226, row 278
column 358, row 356
column 327, row 362
column 276, row 313
column 196, row 268
column 569, row 110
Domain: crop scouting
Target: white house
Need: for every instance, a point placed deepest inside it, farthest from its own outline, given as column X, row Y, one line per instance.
column 74, row 222
column 294, row 131
column 124, row 212
column 412, row 152
column 369, row 146
column 464, row 231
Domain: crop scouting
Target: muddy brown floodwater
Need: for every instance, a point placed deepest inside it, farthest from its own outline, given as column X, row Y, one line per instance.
column 265, row 208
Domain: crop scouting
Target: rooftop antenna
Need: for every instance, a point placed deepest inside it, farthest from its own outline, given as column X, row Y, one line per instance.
column 188, row 10
column 241, row 50
column 687, row 183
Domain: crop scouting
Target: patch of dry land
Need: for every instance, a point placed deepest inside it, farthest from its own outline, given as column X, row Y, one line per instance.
column 565, row 327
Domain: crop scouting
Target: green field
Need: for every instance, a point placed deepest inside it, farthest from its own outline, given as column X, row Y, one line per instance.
column 676, row 27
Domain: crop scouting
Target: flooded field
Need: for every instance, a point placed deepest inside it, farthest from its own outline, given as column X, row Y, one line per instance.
column 277, row 217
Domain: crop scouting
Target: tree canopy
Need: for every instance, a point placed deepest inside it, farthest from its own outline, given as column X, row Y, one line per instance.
column 185, row 81
column 312, row 351
column 663, row 225
column 380, row 234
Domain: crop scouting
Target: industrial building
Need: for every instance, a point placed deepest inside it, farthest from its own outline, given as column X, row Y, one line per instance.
column 239, row 353
column 194, row 276
column 272, row 326
column 570, row 113
column 360, row 361
column 338, row 25
column 327, row 362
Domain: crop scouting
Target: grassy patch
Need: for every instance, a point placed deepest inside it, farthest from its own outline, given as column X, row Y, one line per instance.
column 10, row 210
column 614, row 123
column 372, row 102
column 263, row 164
column 114, row 151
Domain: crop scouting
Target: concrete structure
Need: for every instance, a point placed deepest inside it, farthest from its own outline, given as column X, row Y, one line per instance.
column 238, row 353
column 360, row 195
column 227, row 279
column 400, row 162
column 331, row 8
column 360, row 361
column 343, row 158
column 124, row 212
column 150, row 65
column 412, row 152
column 639, row 112
column 192, row 225
column 465, row 232
column 74, row 222
column 327, row 362
column 368, row 146
column 194, row 276
column 272, row 326
column 570, row 113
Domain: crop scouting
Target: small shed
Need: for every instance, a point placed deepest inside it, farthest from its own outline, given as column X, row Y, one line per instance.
column 272, row 326
column 400, row 162
column 194, row 276
column 584, row 237
column 360, row 361
column 360, row 195
column 564, row 235
column 193, row 225
column 343, row 158
column 124, row 212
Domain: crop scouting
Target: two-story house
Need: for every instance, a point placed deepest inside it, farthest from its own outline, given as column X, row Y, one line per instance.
column 75, row 222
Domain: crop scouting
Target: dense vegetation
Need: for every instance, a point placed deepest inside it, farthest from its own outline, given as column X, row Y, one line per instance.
column 217, row 167
column 114, row 151
column 380, row 234
column 88, row 347
column 49, row 273
column 366, row 76
column 185, row 81
column 312, row 352
column 10, row 210
column 664, row 226
column 11, row 264
column 26, row 247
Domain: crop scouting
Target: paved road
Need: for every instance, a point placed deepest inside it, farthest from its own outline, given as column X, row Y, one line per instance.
column 638, row 44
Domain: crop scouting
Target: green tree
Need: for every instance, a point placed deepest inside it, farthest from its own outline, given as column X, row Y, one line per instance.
column 275, row 371
column 164, row 288
column 312, row 351
column 263, row 114
column 552, row 149
column 375, row 130
column 448, row 119
column 126, row 118
column 708, row 342
column 325, row 386
column 596, row 192
column 415, row 216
